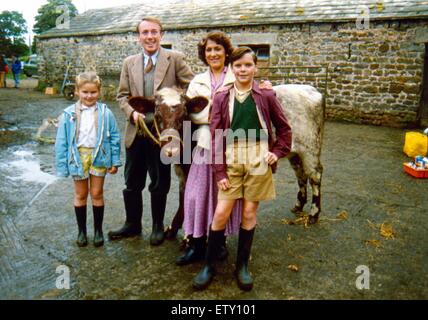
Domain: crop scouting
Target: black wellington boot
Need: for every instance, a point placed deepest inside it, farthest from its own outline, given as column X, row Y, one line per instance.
column 82, row 239
column 203, row 279
column 158, row 213
column 98, row 225
column 245, row 281
column 134, row 212
column 195, row 251
column 222, row 252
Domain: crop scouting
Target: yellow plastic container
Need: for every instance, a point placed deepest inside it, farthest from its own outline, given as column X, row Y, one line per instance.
column 415, row 144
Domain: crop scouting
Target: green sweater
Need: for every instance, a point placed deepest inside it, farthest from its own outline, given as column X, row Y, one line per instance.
column 245, row 118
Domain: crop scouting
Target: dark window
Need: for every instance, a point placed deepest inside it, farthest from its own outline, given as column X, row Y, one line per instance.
column 261, row 50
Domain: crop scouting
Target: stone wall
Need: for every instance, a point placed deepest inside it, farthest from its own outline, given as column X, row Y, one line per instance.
column 372, row 76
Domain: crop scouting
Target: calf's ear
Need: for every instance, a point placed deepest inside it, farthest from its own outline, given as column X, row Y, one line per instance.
column 142, row 104
column 196, row 104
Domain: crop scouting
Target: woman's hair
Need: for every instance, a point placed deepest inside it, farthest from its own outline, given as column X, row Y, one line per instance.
column 88, row 77
column 219, row 38
column 239, row 52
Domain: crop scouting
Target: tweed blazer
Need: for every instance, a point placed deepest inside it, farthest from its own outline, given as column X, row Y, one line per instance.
column 171, row 71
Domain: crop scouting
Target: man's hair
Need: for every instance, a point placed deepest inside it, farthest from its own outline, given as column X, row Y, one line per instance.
column 239, row 52
column 150, row 19
column 219, row 38
column 88, row 77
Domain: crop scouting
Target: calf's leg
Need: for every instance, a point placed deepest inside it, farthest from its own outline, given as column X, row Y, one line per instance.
column 302, row 180
column 315, row 181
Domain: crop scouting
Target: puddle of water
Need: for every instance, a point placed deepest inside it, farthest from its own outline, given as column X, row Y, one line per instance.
column 23, row 153
column 25, row 172
column 26, row 167
column 14, row 128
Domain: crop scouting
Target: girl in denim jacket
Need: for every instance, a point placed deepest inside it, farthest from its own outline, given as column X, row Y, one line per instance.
column 87, row 147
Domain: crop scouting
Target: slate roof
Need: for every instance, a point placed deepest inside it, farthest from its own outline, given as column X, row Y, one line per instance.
column 192, row 14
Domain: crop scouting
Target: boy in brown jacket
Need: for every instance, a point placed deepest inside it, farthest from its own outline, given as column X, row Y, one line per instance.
column 245, row 152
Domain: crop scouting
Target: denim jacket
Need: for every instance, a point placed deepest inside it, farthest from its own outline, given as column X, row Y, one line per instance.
column 107, row 149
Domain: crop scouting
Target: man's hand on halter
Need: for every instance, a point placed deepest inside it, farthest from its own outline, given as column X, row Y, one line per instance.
column 136, row 115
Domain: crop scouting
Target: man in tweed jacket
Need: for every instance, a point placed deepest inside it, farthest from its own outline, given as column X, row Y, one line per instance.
column 142, row 75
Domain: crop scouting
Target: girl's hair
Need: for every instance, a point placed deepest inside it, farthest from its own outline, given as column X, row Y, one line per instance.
column 239, row 52
column 88, row 77
column 219, row 38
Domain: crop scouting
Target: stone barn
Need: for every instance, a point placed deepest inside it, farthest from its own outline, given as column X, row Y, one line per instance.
column 370, row 58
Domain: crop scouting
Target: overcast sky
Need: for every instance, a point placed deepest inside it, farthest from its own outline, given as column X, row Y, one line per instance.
column 29, row 8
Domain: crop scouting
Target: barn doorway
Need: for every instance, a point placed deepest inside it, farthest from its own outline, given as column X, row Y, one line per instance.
column 423, row 111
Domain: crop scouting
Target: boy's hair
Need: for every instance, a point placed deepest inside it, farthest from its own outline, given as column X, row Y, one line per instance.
column 219, row 38
column 88, row 77
column 239, row 52
column 150, row 19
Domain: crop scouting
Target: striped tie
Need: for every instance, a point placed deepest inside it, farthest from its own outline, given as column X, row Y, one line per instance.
column 149, row 66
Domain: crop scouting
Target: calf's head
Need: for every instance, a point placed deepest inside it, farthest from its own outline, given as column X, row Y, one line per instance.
column 171, row 109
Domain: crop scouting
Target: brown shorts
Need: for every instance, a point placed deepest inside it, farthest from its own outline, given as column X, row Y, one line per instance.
column 249, row 174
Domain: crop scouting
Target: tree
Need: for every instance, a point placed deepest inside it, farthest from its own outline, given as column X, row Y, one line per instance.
column 12, row 29
column 20, row 48
column 12, row 25
column 49, row 13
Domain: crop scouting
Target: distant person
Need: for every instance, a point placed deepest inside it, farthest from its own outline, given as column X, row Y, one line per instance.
column 143, row 74
column 16, row 70
column 87, row 148
column 3, row 71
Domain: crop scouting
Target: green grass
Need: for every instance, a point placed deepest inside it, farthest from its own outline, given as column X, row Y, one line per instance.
column 10, row 76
